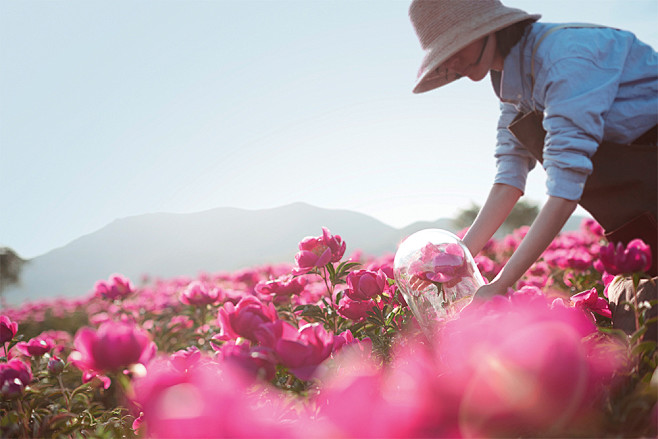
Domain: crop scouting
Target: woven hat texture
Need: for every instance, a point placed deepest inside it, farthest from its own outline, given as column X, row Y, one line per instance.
column 444, row 27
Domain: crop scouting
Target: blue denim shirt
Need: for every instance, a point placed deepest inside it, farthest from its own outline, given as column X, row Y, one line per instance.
column 591, row 84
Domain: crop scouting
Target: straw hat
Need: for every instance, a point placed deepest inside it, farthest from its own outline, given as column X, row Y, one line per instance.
column 444, row 27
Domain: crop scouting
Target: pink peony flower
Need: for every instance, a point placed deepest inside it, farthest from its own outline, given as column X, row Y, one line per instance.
column 244, row 319
column 36, row 347
column 116, row 288
column 316, row 252
column 590, row 301
column 14, row 376
column 112, row 347
column 366, row 284
column 257, row 361
column 356, row 310
column 282, row 288
column 209, row 400
column 302, row 350
column 635, row 257
column 199, row 294
column 8, row 329
column 501, row 357
column 439, row 263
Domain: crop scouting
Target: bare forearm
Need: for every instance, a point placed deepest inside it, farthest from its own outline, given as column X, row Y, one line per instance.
column 499, row 204
column 546, row 226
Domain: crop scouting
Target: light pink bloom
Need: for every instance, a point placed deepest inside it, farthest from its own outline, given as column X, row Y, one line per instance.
column 199, row 294
column 116, row 288
column 633, row 258
column 590, row 301
column 440, row 263
column 210, row 400
column 244, row 319
column 521, row 367
column 282, row 288
column 112, row 347
column 366, row 284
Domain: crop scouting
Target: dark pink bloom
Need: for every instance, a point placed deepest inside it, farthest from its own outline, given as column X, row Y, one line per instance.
column 303, row 350
column 335, row 244
column 635, row 257
column 366, row 284
column 439, row 263
column 14, row 376
column 112, row 347
column 116, row 288
column 244, row 319
column 36, row 347
column 199, row 294
column 590, row 301
column 55, row 365
column 355, row 309
column 8, row 329
column 316, row 252
column 592, row 227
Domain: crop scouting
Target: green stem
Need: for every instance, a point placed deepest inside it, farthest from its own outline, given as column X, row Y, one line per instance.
column 636, row 283
column 65, row 392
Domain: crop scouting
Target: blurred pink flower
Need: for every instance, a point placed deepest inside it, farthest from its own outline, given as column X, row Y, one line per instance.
column 503, row 356
column 590, row 301
column 366, row 284
column 112, row 347
column 282, row 288
column 592, row 227
column 37, row 346
column 257, row 361
column 116, row 288
column 200, row 294
column 14, row 376
column 439, row 263
column 635, row 257
column 8, row 329
column 210, row 400
column 346, row 340
column 244, row 319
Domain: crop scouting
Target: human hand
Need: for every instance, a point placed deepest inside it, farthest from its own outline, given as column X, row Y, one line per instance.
column 488, row 291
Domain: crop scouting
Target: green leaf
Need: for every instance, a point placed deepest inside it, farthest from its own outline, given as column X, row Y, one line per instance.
column 637, row 334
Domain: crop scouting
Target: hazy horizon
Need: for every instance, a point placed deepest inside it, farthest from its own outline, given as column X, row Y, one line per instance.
column 117, row 109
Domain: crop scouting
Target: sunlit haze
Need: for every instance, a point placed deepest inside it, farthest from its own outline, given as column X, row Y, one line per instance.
column 115, row 109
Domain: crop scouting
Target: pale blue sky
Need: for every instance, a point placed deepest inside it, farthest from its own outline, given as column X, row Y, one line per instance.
column 111, row 109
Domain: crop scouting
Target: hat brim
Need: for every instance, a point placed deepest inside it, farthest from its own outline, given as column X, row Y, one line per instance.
column 432, row 76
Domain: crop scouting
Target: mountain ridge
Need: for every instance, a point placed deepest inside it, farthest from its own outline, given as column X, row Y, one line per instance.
column 186, row 244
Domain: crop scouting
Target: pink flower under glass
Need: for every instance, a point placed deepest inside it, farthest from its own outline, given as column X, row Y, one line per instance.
column 436, row 275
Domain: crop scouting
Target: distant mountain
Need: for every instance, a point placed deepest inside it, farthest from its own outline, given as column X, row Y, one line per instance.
column 222, row 239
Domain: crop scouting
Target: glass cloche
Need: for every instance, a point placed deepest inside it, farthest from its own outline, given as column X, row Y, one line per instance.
column 436, row 274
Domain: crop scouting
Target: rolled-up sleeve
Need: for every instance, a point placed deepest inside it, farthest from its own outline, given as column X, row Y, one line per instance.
column 576, row 93
column 513, row 160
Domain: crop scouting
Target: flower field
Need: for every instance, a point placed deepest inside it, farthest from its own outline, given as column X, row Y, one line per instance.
column 326, row 347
